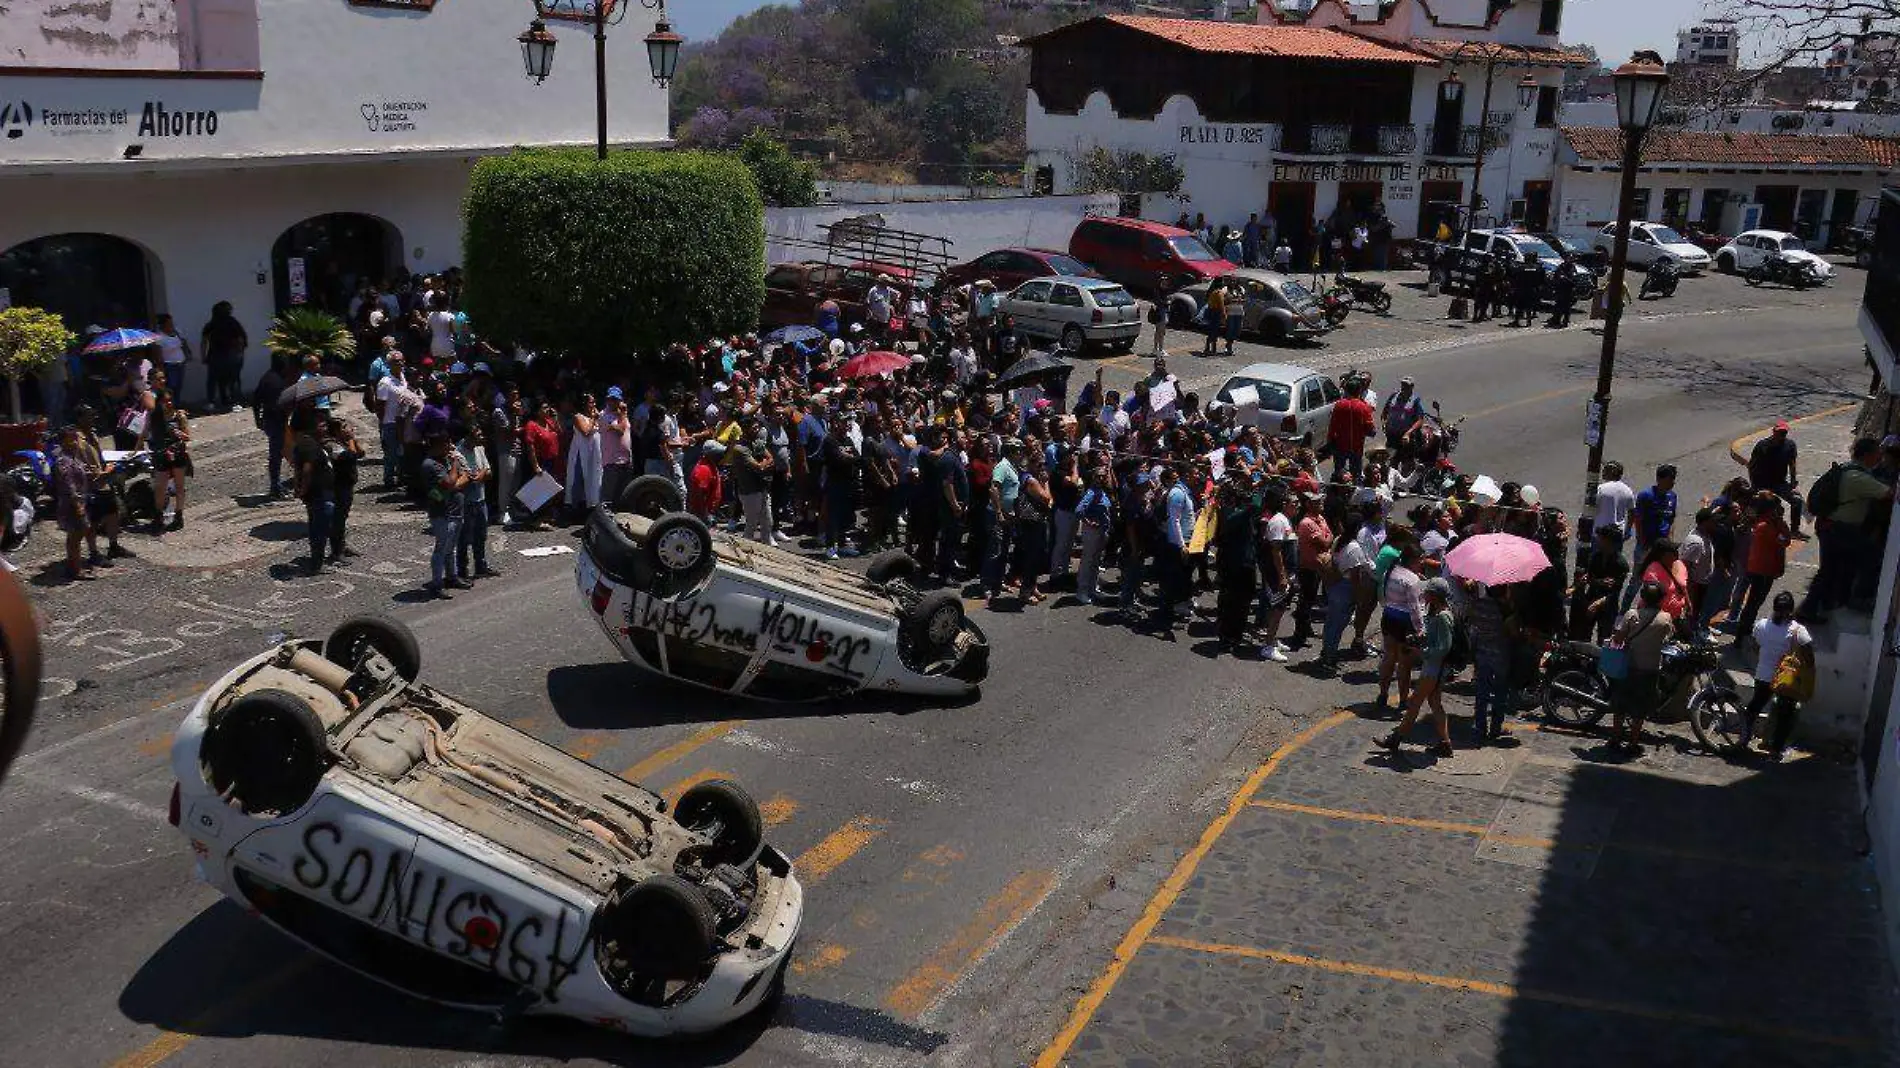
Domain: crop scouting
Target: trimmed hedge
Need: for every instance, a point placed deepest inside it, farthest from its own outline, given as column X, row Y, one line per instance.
column 570, row 255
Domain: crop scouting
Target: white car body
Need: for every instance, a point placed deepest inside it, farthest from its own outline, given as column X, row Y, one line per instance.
column 1074, row 311
column 767, row 623
column 1755, row 246
column 1286, row 392
column 1650, row 242
column 479, row 901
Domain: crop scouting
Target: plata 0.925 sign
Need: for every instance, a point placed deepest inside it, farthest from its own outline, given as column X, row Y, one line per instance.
column 1223, row 133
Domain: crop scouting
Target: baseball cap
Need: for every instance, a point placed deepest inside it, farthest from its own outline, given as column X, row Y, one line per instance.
column 483, row 369
column 613, row 392
column 458, row 368
column 1781, row 426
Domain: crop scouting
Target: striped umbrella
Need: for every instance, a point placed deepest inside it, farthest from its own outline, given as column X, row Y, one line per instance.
column 120, row 340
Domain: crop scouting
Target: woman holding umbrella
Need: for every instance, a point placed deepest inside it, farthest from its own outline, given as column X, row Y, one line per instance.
column 168, row 435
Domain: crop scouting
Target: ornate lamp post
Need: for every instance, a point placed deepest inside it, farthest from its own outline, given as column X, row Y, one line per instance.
column 537, row 47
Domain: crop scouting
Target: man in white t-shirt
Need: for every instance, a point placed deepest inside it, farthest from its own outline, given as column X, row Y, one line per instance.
column 172, row 354
column 1279, row 561
column 1775, row 638
column 1615, row 500
column 441, row 329
column 394, row 398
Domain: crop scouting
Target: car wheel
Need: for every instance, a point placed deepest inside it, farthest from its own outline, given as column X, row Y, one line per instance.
column 1864, row 258
column 679, row 549
column 662, row 928
column 935, row 622
column 651, row 496
column 140, row 502
column 355, row 638
column 1273, row 332
column 1072, row 338
column 1725, row 264
column 722, row 811
column 266, row 753
column 891, row 566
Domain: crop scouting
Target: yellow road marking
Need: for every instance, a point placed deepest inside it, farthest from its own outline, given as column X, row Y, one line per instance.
column 1747, row 441
column 155, row 1052
column 168, row 1044
column 921, row 988
column 709, row 733
column 1507, row 990
column 1371, row 817
column 836, row 848
column 1171, row 888
column 674, row 791
column 584, row 747
column 778, row 811
column 932, row 865
column 1552, row 394
column 823, row 955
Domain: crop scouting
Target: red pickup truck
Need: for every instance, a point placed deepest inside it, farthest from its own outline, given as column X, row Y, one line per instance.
column 793, row 291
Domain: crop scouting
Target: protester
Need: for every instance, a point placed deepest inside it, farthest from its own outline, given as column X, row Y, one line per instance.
column 444, row 478
column 168, row 435
column 1641, row 633
column 1435, row 647
column 471, row 544
column 315, row 482
column 1776, row 639
column 346, row 455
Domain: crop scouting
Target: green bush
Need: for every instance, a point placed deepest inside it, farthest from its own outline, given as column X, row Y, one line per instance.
column 569, row 255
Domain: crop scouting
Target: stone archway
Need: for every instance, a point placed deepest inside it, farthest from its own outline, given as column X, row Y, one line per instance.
column 87, row 278
column 321, row 261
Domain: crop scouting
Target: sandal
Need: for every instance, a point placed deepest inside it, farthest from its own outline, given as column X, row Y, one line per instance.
column 1390, row 742
column 1442, row 749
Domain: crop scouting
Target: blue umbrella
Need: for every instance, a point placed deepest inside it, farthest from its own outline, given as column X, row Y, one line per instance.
column 120, row 340
column 788, row 335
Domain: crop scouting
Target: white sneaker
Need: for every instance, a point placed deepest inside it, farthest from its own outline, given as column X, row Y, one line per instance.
column 1277, row 655
column 831, row 554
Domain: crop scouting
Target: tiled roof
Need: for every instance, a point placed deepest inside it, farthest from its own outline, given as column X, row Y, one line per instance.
column 1507, row 53
column 1885, row 150
column 1254, row 39
column 1604, row 144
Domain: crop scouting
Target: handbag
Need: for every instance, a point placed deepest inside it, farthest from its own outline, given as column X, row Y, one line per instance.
column 1614, row 662
column 132, row 419
column 1794, row 677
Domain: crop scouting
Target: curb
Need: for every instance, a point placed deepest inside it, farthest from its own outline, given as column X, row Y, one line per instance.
column 1739, row 448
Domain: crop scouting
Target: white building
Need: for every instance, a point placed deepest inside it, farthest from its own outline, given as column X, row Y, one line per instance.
column 1865, row 66
column 1709, row 44
column 1305, row 115
column 164, row 155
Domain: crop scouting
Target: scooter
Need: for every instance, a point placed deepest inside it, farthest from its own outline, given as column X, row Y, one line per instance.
column 1661, row 279
column 1784, row 270
column 1371, row 294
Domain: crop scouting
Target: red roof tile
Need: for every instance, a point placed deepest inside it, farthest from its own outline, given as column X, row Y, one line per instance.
column 1509, row 53
column 1254, row 39
column 1601, row 144
column 1885, row 150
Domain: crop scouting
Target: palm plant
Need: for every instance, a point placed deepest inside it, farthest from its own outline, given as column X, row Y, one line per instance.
column 300, row 332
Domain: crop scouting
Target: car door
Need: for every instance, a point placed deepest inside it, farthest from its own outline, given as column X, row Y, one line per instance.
column 1312, row 408
column 1028, row 305
column 995, row 267
column 1021, row 267
column 1066, row 308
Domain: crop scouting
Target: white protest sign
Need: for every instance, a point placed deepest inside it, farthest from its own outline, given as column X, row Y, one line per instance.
column 539, row 490
column 1161, row 396
column 1218, row 461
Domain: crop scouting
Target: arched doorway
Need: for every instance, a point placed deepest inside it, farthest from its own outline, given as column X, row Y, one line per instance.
column 87, row 279
column 333, row 255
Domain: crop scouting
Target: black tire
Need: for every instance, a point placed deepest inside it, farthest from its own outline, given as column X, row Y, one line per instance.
column 724, row 812
column 1756, row 275
column 141, row 504
column 1073, row 339
column 1576, row 698
column 651, row 496
column 1725, row 264
column 396, row 642
column 265, row 753
column 1864, row 258
column 891, row 566
column 1273, row 331
column 1381, row 302
column 679, row 550
column 661, row 928
column 934, row 622
column 1715, row 714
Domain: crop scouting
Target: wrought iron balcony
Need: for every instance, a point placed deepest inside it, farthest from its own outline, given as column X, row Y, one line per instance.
column 1461, row 142
column 1340, row 139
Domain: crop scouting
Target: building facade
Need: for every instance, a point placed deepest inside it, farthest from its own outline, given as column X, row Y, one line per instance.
column 1317, row 112
column 1709, row 44
column 160, row 156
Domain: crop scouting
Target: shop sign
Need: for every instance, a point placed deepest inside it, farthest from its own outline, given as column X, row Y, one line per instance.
column 392, row 116
column 1223, row 133
column 155, row 120
column 299, row 281
column 1399, row 191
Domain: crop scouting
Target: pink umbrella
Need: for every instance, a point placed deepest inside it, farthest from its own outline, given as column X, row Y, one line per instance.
column 1497, row 559
column 874, row 363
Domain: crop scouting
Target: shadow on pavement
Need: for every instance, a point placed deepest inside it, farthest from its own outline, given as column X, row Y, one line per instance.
column 616, row 695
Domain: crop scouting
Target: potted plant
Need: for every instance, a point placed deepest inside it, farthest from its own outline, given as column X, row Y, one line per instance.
column 300, row 332
column 31, row 340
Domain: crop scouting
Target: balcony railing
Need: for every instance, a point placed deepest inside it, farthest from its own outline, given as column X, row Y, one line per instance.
column 1342, row 139
column 1461, row 142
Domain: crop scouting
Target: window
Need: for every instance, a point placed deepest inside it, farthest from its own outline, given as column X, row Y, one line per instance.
column 1066, row 296
column 1551, row 17
column 1274, row 396
column 1675, row 206
column 995, row 261
column 1069, row 265
column 1332, row 390
column 1311, row 395
column 1639, row 205
column 1191, row 249
column 1110, row 296
column 1035, row 292
column 1793, row 244
column 1547, row 96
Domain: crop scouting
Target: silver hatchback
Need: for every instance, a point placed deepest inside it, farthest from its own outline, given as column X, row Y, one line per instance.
column 1075, row 312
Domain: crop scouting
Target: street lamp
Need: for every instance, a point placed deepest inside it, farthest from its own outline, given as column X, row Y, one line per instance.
column 1639, row 94
column 537, row 47
column 1526, row 92
column 1452, row 89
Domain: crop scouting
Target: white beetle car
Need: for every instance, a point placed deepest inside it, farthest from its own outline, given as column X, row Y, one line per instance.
column 749, row 619
column 427, row 846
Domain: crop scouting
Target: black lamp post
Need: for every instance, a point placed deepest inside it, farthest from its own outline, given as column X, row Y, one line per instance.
column 537, row 47
column 1639, row 95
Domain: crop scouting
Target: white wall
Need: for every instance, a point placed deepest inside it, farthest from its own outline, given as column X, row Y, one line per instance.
column 1585, row 197
column 1440, row 19
column 210, row 233
column 342, row 78
column 974, row 226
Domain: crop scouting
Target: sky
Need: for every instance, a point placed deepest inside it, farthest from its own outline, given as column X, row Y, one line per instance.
column 1615, row 27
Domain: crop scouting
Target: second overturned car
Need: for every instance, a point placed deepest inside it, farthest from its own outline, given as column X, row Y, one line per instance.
column 759, row 621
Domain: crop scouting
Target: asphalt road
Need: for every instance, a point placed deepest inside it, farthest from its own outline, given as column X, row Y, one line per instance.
column 968, row 868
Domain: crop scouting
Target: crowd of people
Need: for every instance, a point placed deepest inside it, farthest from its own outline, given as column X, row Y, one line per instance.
column 1350, row 238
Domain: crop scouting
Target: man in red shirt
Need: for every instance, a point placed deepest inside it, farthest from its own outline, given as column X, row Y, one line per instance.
column 1352, row 424
column 703, row 492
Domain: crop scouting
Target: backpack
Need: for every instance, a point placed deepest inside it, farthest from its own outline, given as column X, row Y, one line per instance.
column 1824, row 497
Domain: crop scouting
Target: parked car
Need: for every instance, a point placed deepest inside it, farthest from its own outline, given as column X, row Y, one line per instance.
column 793, row 291
column 1706, row 240
column 1858, row 242
column 1650, row 242
column 1455, row 262
column 759, row 621
column 1075, row 312
column 1294, row 402
column 1278, row 308
column 1752, row 248
column 413, row 839
column 1147, row 257
column 1011, row 267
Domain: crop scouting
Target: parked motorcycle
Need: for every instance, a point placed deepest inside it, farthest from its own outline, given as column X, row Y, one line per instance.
column 32, row 476
column 1576, row 694
column 1661, row 279
column 1371, row 294
column 1334, row 304
column 1783, row 269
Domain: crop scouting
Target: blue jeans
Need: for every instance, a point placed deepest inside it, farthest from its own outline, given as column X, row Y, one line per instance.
column 996, row 552
column 840, row 503
column 1491, row 696
column 319, row 514
column 392, row 454
column 1339, row 604
column 1833, row 583
column 473, row 538
column 448, row 531
column 949, row 540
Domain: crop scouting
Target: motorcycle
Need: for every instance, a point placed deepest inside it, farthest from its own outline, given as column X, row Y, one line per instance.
column 1371, row 294
column 1661, row 280
column 1431, row 440
column 1576, row 694
column 1334, row 304
column 33, row 476
column 1783, row 269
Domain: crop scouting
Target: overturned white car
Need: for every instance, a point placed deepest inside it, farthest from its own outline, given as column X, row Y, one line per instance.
column 430, row 847
column 745, row 618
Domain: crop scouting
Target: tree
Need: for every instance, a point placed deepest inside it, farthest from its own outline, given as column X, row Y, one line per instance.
column 31, row 340
column 784, row 182
column 1101, row 170
column 300, row 332
column 605, row 260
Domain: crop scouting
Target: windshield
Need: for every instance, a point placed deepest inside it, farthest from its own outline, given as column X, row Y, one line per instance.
column 1274, row 396
column 1068, row 265
column 1111, row 297
column 1666, row 236
column 1190, row 248
column 1296, row 294
column 1534, row 245
column 1793, row 244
